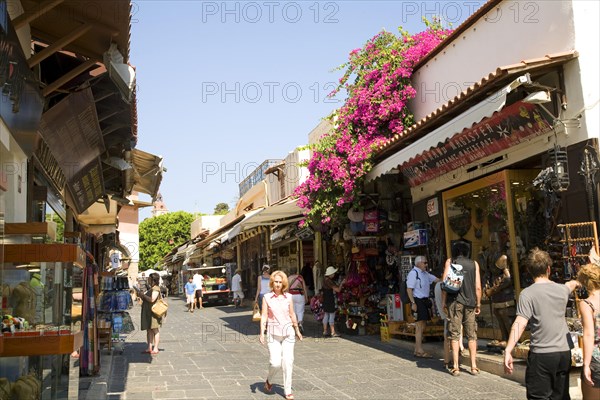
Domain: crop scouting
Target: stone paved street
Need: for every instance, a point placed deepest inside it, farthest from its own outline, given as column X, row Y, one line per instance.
column 214, row 353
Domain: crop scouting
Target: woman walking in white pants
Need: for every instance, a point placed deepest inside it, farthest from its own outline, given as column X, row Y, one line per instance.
column 278, row 311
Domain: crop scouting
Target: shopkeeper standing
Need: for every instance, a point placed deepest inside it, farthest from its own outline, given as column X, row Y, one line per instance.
column 418, row 283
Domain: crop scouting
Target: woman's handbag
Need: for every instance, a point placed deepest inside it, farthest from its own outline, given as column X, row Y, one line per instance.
column 160, row 307
column 256, row 313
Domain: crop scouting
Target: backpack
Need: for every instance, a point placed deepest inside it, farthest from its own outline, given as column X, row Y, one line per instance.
column 403, row 289
column 454, row 279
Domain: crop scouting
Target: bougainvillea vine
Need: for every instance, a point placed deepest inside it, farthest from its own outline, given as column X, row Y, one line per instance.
column 377, row 81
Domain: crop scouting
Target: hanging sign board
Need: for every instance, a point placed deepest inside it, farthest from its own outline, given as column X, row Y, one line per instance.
column 514, row 124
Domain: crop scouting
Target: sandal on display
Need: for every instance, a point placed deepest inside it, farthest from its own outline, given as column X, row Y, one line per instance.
column 422, row 354
column 268, row 386
column 475, row 371
column 455, row 371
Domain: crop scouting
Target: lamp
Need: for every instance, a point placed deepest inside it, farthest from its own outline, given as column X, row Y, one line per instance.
column 560, row 166
column 539, row 97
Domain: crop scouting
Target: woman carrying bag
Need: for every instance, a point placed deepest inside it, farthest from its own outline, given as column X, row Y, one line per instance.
column 278, row 311
column 149, row 322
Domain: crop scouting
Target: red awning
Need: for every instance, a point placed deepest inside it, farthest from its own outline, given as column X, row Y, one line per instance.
column 509, row 127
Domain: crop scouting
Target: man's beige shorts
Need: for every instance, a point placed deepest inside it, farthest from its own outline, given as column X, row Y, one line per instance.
column 461, row 315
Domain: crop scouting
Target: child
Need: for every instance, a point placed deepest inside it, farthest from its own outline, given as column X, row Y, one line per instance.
column 190, row 291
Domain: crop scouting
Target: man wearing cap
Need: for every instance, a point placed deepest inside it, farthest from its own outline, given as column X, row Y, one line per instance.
column 329, row 290
column 418, row 284
column 502, row 296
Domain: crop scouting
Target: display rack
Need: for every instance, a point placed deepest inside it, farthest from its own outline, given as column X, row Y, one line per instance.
column 114, row 302
column 578, row 239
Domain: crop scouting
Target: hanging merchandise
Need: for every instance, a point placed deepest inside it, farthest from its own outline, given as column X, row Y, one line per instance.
column 371, row 219
column 579, row 240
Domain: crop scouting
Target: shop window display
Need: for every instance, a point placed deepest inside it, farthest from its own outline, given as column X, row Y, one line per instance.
column 494, row 216
column 39, row 326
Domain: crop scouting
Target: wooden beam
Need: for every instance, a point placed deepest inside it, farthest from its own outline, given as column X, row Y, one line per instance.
column 67, row 77
column 59, row 44
column 26, row 17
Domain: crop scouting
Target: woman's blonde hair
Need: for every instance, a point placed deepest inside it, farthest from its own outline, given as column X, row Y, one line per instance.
column 589, row 277
column 284, row 280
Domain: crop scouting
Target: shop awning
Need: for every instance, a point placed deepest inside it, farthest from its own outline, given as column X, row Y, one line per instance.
column 418, row 138
column 277, row 214
column 478, row 112
column 147, row 172
column 515, row 124
column 237, row 229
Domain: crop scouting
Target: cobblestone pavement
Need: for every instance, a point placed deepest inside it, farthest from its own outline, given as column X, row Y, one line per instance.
column 214, row 353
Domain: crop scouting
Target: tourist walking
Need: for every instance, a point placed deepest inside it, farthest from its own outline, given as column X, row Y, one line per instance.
column 298, row 290
column 262, row 285
column 589, row 310
column 542, row 305
column 462, row 307
column 149, row 322
column 329, row 290
column 418, row 285
column 279, row 321
column 237, row 289
column 199, row 282
column 190, row 293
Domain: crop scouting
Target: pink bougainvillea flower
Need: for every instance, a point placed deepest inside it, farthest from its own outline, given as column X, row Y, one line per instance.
column 377, row 80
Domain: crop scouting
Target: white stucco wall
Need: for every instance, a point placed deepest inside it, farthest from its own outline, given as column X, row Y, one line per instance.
column 500, row 39
column 587, row 43
column 294, row 175
column 514, row 31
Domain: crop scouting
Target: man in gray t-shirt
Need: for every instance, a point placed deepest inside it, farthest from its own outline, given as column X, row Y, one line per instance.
column 543, row 305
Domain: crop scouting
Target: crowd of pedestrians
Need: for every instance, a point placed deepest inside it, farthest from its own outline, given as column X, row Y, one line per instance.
column 541, row 307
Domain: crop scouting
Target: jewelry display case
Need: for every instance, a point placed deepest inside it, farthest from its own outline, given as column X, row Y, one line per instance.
column 41, row 285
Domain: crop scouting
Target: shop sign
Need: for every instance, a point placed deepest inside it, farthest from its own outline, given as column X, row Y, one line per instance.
column 72, row 132
column 514, row 124
column 86, row 186
column 21, row 103
column 432, row 207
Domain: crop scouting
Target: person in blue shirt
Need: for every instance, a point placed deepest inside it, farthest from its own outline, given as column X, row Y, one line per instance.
column 190, row 292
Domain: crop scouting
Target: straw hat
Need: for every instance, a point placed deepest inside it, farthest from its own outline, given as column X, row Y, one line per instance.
column 330, row 271
column 502, row 262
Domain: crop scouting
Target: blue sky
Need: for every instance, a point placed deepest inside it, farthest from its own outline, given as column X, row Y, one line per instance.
column 223, row 86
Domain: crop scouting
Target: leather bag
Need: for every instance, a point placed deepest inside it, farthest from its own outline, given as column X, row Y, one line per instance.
column 256, row 313
column 160, row 307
